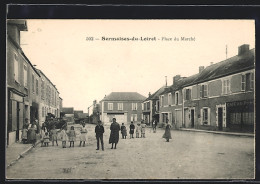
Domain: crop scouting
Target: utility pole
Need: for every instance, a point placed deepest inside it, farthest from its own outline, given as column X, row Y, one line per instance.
column 226, row 51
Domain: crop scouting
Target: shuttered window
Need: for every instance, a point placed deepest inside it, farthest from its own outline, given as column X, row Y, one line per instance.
column 16, row 68
column 25, row 75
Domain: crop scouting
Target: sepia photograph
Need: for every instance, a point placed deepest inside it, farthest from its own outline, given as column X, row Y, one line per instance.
column 153, row 99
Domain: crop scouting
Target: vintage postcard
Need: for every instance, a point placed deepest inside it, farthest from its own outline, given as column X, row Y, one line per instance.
column 130, row 99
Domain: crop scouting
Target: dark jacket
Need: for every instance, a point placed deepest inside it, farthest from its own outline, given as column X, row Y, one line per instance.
column 114, row 135
column 99, row 130
column 132, row 128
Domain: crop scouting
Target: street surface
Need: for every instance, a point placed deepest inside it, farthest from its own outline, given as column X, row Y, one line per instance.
column 189, row 155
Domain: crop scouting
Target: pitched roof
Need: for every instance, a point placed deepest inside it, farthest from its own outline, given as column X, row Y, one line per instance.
column 227, row 67
column 155, row 95
column 124, row 96
column 224, row 68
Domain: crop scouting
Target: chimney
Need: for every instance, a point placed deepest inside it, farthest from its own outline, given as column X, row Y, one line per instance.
column 201, row 68
column 149, row 94
column 243, row 49
column 176, row 78
column 211, row 63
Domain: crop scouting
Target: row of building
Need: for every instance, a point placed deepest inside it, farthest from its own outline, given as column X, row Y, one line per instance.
column 30, row 94
column 219, row 97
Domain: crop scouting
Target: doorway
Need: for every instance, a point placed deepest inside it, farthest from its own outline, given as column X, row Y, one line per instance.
column 220, row 118
column 17, row 119
column 192, row 118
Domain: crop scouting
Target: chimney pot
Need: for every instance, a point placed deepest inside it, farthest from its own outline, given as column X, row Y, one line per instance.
column 243, row 49
column 201, row 68
column 176, row 78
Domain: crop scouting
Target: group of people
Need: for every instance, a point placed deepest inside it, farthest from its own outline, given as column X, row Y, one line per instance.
column 140, row 128
column 29, row 131
column 65, row 136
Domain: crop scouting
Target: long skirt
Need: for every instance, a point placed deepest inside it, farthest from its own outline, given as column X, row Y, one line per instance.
column 167, row 134
column 83, row 137
column 114, row 137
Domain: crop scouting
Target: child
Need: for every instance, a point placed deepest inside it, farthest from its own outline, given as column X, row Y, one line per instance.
column 132, row 129
column 54, row 136
column 64, row 137
column 24, row 134
column 46, row 139
column 138, row 129
column 123, row 131
column 83, row 135
column 72, row 136
column 143, row 125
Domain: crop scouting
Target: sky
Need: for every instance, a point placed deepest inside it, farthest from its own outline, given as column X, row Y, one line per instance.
column 84, row 70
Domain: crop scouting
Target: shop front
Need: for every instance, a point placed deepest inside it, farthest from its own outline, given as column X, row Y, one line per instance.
column 240, row 116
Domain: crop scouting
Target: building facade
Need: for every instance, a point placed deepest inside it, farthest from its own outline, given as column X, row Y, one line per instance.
column 220, row 97
column 151, row 107
column 23, row 85
column 124, row 106
column 22, row 96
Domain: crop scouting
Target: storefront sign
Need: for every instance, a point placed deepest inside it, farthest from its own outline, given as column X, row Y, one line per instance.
column 16, row 97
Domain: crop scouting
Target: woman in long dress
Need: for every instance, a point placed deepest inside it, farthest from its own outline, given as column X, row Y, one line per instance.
column 114, row 134
column 167, row 134
column 32, row 134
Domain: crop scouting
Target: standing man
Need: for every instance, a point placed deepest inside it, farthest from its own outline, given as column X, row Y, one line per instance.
column 99, row 130
column 114, row 134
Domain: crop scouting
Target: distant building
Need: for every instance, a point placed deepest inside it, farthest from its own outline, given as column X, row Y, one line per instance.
column 68, row 110
column 151, row 106
column 49, row 98
column 124, row 106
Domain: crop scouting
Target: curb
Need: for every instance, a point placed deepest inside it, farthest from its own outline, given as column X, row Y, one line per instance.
column 222, row 133
column 22, row 155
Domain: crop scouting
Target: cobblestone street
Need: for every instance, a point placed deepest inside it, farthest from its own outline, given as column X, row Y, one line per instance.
column 189, row 155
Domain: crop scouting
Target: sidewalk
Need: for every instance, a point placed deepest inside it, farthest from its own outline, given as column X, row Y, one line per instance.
column 219, row 132
column 16, row 151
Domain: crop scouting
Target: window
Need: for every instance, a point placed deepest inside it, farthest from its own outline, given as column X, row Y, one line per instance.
column 162, row 101
column 37, row 88
column 110, row 106
column 157, row 105
column 16, row 66
column 148, row 105
column 247, row 82
column 204, row 91
column 25, row 73
column 142, row 106
column 169, row 99
column 176, row 98
column 226, row 86
column 187, row 94
column 134, row 106
column 33, row 89
column 120, row 106
column 205, row 116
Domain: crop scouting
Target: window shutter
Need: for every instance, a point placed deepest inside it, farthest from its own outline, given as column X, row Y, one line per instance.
column 216, row 116
column 208, row 116
column 252, row 81
column 200, row 88
column 243, row 82
column 201, row 116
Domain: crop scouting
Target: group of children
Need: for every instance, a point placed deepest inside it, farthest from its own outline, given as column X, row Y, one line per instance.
column 140, row 128
column 64, row 136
